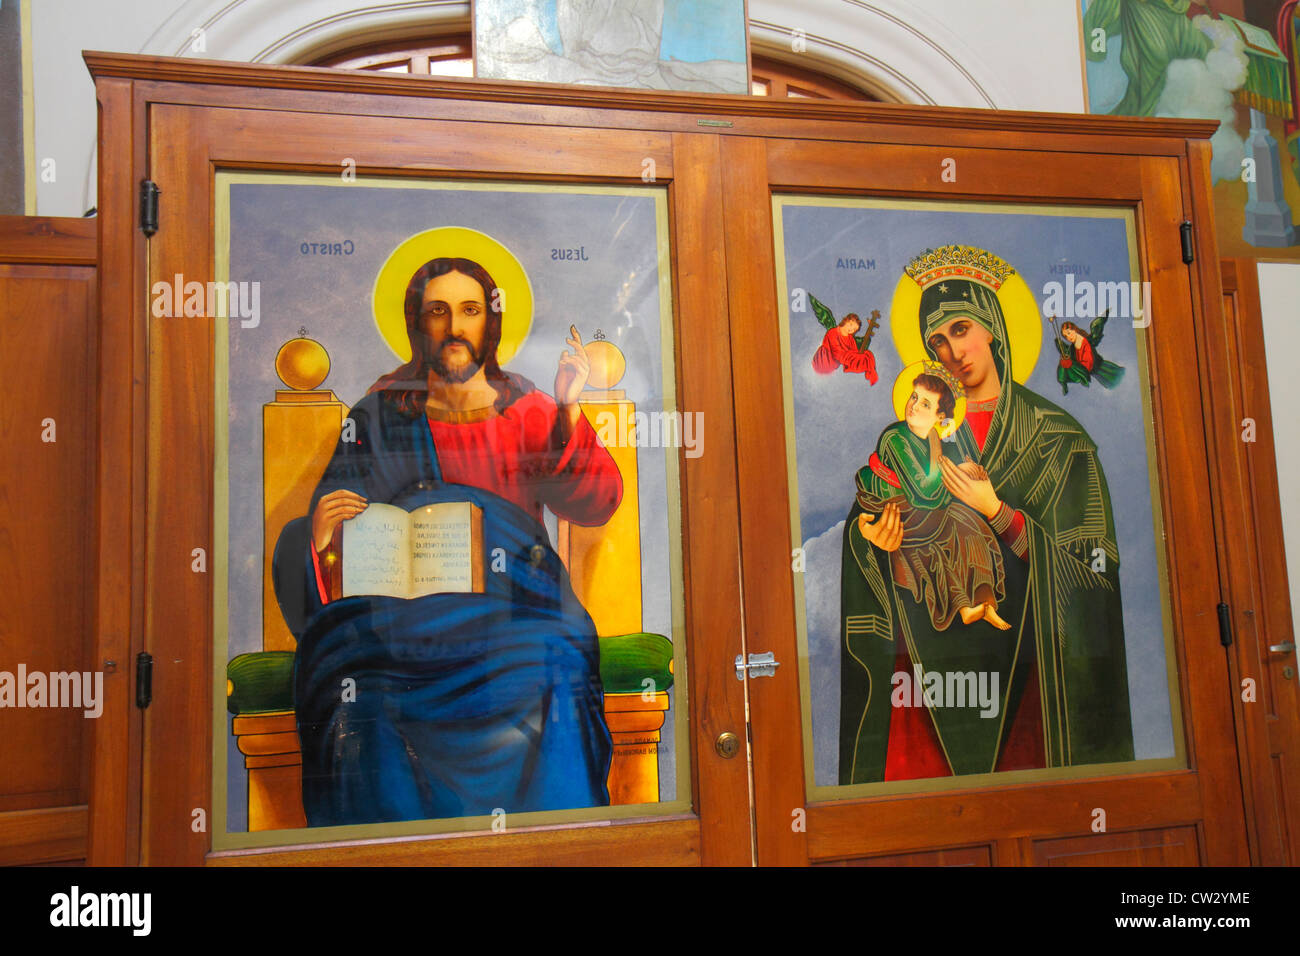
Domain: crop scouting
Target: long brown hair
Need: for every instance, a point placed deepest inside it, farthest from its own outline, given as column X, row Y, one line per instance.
column 407, row 386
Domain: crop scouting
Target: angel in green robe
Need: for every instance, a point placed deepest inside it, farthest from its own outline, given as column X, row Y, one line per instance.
column 1061, row 666
column 1080, row 361
column 949, row 559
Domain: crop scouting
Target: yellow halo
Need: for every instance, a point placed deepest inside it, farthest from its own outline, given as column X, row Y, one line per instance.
column 1019, row 309
column 458, row 242
column 903, row 391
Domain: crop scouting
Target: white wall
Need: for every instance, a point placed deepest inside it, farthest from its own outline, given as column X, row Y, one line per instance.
column 1007, row 54
column 66, row 116
column 1279, row 293
column 1003, row 54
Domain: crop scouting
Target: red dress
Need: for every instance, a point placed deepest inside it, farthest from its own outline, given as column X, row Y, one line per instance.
column 913, row 750
column 1084, row 353
column 515, row 455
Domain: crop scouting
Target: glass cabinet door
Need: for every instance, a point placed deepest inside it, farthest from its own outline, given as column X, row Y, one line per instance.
column 442, row 515
column 984, row 411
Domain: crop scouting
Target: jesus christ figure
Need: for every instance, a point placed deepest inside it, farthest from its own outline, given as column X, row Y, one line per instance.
column 461, row 704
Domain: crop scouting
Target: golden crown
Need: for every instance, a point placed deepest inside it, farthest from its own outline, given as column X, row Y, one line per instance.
column 959, row 262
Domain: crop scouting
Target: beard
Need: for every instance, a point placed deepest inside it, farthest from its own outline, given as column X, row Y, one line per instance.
column 460, row 367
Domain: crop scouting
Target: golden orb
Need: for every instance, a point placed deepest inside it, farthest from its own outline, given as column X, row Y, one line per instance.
column 607, row 364
column 302, row 364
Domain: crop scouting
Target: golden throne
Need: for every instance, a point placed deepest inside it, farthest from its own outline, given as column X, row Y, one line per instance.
column 300, row 430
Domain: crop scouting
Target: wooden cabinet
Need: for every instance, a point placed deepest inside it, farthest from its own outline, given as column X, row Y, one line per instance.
column 718, row 162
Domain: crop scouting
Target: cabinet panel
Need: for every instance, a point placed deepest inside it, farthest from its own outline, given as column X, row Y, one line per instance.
column 881, row 618
column 959, row 856
column 1169, row 846
column 48, row 684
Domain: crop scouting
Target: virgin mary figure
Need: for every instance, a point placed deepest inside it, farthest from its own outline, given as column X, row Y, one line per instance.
column 1060, row 669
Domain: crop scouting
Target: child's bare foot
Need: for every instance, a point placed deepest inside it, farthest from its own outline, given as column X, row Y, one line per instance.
column 969, row 615
column 991, row 615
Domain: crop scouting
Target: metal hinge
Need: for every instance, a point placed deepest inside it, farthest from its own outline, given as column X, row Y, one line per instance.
column 143, row 680
column 1225, row 625
column 760, row 665
column 149, row 193
column 1185, row 233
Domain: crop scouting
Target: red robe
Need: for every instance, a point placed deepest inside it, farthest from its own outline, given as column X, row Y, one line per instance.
column 914, row 752
column 838, row 350
column 517, row 456
column 514, row 455
column 1084, row 353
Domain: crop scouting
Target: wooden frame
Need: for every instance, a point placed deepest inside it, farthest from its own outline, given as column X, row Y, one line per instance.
column 721, row 156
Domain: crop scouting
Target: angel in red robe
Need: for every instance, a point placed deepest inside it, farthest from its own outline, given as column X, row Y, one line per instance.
column 842, row 347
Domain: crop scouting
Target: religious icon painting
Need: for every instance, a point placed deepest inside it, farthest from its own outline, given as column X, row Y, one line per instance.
column 448, row 591
column 975, row 501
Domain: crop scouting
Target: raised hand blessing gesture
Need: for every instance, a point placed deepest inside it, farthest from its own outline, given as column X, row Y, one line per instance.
column 571, row 376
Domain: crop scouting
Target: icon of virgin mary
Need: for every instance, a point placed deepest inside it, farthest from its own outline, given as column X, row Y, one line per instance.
column 1060, row 667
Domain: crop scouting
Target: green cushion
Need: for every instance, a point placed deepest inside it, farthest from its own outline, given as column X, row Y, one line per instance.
column 628, row 659
column 262, row 682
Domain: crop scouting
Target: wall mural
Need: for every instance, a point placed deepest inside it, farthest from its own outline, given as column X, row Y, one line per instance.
column 697, row 45
column 1234, row 61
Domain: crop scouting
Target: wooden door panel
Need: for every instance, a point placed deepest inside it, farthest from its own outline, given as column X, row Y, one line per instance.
column 1004, row 814
column 1164, row 846
column 233, row 137
column 958, row 856
column 953, row 172
column 180, row 463
column 47, row 423
column 1268, row 726
column 659, row 843
column 948, row 819
column 48, row 322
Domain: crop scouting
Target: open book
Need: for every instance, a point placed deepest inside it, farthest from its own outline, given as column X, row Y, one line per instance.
column 434, row 549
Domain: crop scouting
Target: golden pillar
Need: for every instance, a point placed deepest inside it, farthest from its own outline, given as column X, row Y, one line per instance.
column 605, row 562
column 300, row 430
column 605, row 569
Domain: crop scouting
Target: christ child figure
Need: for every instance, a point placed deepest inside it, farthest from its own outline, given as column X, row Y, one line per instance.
column 949, row 558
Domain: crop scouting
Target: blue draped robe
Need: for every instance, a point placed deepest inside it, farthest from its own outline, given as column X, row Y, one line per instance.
column 465, row 704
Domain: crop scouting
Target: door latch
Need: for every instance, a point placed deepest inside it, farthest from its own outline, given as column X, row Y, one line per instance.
column 760, row 665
